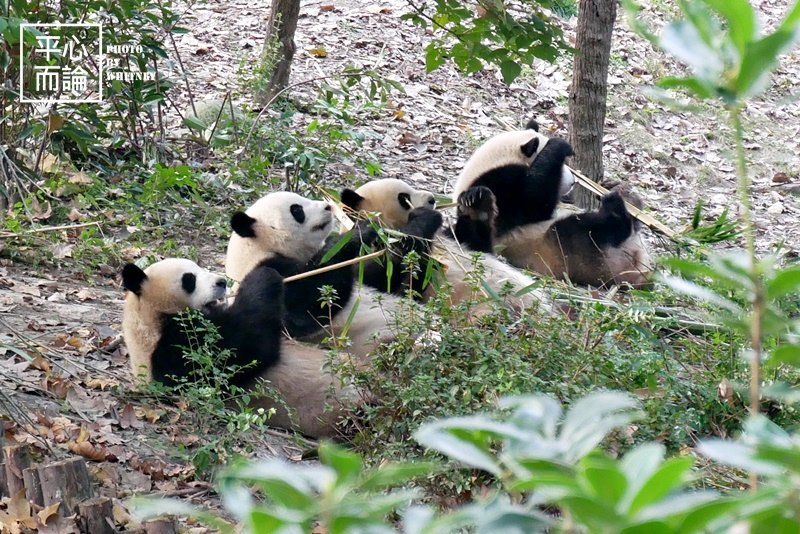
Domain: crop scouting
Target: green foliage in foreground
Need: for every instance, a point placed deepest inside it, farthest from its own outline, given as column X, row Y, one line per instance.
column 547, row 460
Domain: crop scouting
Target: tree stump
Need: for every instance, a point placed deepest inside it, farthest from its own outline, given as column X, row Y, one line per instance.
column 33, row 486
column 18, row 458
column 67, row 482
column 161, row 525
column 97, row 516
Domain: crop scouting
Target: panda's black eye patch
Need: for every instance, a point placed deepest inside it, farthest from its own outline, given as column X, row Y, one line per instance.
column 405, row 201
column 188, row 282
column 298, row 213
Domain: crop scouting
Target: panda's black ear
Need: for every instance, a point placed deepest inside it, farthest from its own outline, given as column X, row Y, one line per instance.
column 532, row 125
column 529, row 148
column 242, row 224
column 351, row 199
column 133, row 278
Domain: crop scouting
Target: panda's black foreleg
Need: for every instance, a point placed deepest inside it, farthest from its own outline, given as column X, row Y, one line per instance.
column 252, row 326
column 475, row 226
column 418, row 233
column 250, row 329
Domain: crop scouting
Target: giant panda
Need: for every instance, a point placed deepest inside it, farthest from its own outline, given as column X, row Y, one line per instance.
column 292, row 235
column 395, row 200
column 509, row 193
column 525, row 170
column 596, row 248
column 250, row 328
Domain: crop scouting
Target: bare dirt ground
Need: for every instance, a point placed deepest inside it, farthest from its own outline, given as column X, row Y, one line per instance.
column 61, row 360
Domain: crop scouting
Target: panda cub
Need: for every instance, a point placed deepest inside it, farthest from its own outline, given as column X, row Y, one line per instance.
column 292, row 235
column 508, row 203
column 396, row 200
column 250, row 328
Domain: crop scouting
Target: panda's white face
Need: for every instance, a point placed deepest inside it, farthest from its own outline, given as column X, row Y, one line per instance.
column 174, row 284
column 567, row 181
column 279, row 223
column 519, row 147
column 393, row 199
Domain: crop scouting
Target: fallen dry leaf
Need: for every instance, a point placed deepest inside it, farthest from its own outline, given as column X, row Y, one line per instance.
column 409, row 138
column 318, row 51
column 75, row 215
column 80, row 178
column 48, row 512
column 89, row 451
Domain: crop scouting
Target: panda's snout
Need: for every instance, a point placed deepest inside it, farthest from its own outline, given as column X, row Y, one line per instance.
column 221, row 283
column 431, row 201
column 327, row 207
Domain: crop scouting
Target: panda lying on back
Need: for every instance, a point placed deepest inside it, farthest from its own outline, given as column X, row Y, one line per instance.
column 508, row 194
column 395, row 200
column 292, row 235
column 250, row 328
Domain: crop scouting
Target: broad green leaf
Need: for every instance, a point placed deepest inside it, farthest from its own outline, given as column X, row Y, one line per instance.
column 789, row 457
column 785, row 281
column 698, row 519
column 649, row 527
column 263, row 521
column 667, row 478
column 510, row 70
column 538, row 413
column 692, row 85
column 792, row 18
column 638, row 466
column 591, row 512
column 605, row 481
column 682, row 40
column 761, row 429
column 702, row 20
column 466, row 447
column 593, row 416
column 194, row 123
column 741, row 22
column 393, row 474
column 736, row 455
column 346, row 464
column 759, row 59
column 699, row 292
column 674, row 507
column 434, row 57
column 788, row 354
column 336, row 248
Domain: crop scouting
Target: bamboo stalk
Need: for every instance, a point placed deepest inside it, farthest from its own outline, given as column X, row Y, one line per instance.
column 646, row 218
column 48, row 229
column 334, row 266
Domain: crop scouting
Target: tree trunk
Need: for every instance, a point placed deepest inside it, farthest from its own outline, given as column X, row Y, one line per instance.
column 279, row 48
column 587, row 95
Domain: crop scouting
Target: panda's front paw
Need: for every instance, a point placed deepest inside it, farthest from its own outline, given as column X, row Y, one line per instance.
column 263, row 281
column 477, row 202
column 423, row 222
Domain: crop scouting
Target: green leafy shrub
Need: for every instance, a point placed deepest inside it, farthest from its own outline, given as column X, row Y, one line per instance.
column 492, row 33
